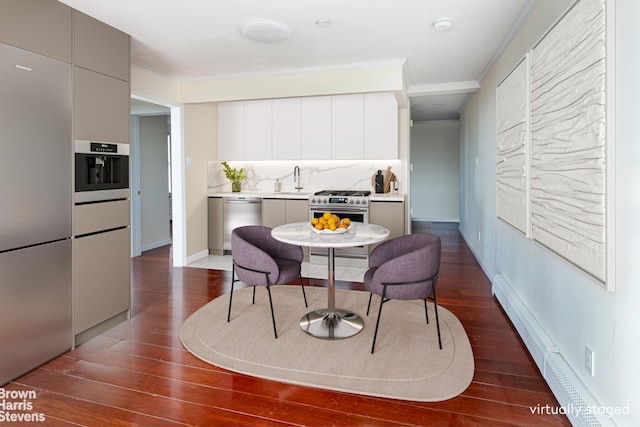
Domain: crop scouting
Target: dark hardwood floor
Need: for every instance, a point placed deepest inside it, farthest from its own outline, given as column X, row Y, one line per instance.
column 138, row 373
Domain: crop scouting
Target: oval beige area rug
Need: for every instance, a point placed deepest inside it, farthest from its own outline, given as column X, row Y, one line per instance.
column 407, row 363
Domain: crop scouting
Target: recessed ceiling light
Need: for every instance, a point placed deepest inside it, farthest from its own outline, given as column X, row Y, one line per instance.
column 442, row 25
column 438, row 105
column 266, row 31
column 323, row 23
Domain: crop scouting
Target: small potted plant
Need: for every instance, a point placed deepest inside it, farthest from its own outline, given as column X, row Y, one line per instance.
column 234, row 175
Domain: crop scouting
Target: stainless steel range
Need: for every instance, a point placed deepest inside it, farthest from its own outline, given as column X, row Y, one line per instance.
column 352, row 204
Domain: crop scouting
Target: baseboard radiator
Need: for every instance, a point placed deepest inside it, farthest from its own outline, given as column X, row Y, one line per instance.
column 574, row 399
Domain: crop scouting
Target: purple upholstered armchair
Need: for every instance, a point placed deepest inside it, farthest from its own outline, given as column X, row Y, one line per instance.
column 404, row 268
column 261, row 260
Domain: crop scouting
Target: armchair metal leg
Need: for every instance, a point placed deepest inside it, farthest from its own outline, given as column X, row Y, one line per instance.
column 375, row 334
column 369, row 305
column 273, row 318
column 425, row 311
column 435, row 305
column 233, row 280
column 304, row 294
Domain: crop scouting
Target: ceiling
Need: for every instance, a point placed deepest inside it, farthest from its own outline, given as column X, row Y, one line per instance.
column 200, row 39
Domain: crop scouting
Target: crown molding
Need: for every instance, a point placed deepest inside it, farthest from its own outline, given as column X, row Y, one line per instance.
column 444, row 88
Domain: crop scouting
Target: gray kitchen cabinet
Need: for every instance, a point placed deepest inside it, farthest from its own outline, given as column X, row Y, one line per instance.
column 101, row 48
column 102, row 106
column 102, row 243
column 95, row 217
column 43, row 27
column 297, row 210
column 102, row 269
column 274, row 212
column 215, row 225
column 277, row 212
column 102, row 275
column 389, row 214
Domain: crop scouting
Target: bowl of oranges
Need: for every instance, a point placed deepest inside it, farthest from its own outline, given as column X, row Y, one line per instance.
column 330, row 223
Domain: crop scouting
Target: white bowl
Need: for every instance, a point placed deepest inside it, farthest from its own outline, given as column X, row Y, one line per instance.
column 337, row 231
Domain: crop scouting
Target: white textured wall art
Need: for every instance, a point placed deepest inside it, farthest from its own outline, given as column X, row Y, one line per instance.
column 568, row 138
column 512, row 140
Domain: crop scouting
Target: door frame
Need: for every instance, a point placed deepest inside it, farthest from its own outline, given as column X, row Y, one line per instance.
column 179, row 237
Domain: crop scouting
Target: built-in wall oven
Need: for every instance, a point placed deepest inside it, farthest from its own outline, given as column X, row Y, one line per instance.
column 102, row 171
column 346, row 204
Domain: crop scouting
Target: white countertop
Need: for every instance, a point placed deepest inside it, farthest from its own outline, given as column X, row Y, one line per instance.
column 301, row 233
column 386, row 197
column 264, row 194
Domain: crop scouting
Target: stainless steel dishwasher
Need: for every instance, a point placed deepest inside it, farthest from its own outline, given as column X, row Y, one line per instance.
column 239, row 211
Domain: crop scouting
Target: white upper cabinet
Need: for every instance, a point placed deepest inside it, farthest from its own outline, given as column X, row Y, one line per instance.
column 257, row 130
column 380, row 126
column 231, row 130
column 347, row 127
column 339, row 127
column 286, row 129
column 316, row 127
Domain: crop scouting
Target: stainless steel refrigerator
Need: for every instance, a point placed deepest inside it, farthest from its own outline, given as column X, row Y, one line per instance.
column 35, row 210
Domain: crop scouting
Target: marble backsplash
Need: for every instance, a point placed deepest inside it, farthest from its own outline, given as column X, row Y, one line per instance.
column 315, row 175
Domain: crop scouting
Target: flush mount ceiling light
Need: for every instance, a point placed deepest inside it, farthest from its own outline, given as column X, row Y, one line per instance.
column 442, row 25
column 266, row 31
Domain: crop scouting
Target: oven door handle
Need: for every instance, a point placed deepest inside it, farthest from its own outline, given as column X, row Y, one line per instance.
column 336, row 209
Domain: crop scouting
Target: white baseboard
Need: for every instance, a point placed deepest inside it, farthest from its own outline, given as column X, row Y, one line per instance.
column 435, row 219
column 154, row 245
column 197, row 256
column 575, row 400
column 475, row 254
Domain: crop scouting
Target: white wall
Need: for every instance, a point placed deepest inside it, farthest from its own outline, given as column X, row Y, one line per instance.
column 435, row 177
column 201, row 145
column 572, row 308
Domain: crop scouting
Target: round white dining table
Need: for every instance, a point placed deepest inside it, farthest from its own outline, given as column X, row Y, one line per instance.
column 331, row 322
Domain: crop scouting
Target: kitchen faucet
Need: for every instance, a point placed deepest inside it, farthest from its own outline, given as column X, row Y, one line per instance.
column 296, row 178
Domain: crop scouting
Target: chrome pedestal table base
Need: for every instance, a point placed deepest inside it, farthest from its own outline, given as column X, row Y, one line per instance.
column 331, row 323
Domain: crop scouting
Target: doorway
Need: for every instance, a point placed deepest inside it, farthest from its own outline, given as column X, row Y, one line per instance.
column 156, row 196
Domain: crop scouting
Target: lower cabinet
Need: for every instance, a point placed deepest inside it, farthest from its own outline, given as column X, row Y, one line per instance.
column 102, row 281
column 390, row 215
column 277, row 212
column 101, row 267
